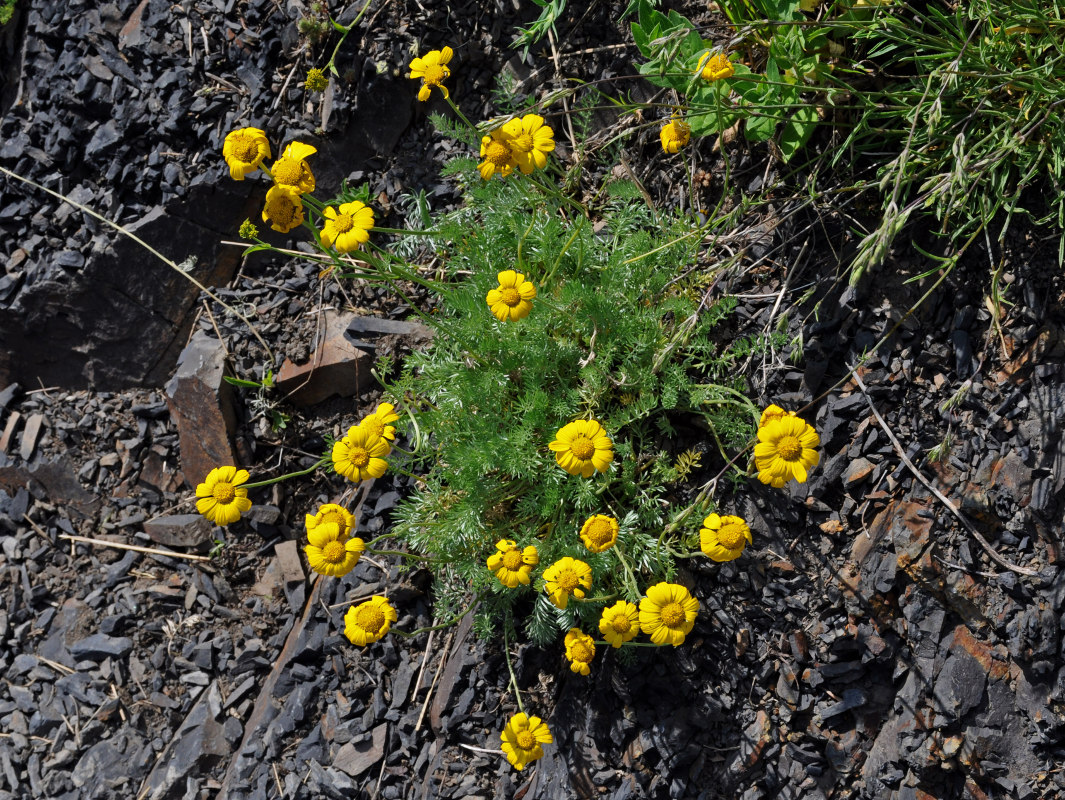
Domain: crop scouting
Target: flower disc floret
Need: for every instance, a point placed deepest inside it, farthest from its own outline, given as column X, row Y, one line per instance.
column 360, row 455
column 379, row 422
column 785, row 451
column 566, row 577
column 674, row 135
column 620, row 623
column 714, row 67
column 667, row 613
column 369, row 621
column 599, row 533
column 220, row 497
column 433, row 70
column 522, row 739
column 580, row 650
column 512, row 299
column 331, row 512
column 331, row 552
column 582, row 448
column 317, row 81
column 529, row 141
column 723, row 538
column 498, row 155
column 511, row 564
column 349, row 227
column 244, row 150
column 292, row 169
column 283, row 208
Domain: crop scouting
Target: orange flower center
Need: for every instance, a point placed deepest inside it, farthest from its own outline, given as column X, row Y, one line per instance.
column 621, row 623
column 525, row 740
column 224, row 492
column 358, row 456
column 523, row 142
column 498, row 153
column 672, row 615
column 343, row 223
column 510, row 296
column 246, row 150
column 599, row 532
column 582, row 652
column 286, row 171
column 334, row 517
column 582, row 447
column 334, row 552
column 731, row 535
column 567, row 580
column 434, row 73
column 512, row 560
column 370, row 618
column 789, row 448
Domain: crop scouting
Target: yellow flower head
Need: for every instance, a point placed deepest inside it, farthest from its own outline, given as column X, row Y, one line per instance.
column 317, row 81
column 667, row 613
column 244, row 150
column 498, row 154
column 522, row 739
column 773, row 412
column 432, row 69
column 378, row 422
column 674, row 135
column 292, row 169
column 599, row 533
column 580, row 650
column 331, row 552
column 582, row 447
column 530, row 141
column 283, row 209
column 220, row 498
column 367, row 622
column 714, row 67
column 512, row 299
column 331, row 512
column 511, row 564
column 723, row 538
column 619, row 623
column 348, row 228
column 566, row 577
column 785, row 450
column 360, row 455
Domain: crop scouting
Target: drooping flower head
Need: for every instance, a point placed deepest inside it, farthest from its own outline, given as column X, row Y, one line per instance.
column 511, row 564
column 599, row 533
column 530, row 140
column 283, row 209
column 331, row 512
column 667, row 613
column 220, row 498
column 674, row 135
column 522, row 738
column 785, row 450
column 244, row 150
column 331, row 552
column 498, row 155
column 360, row 455
column 773, row 412
column 348, row 228
column 317, row 81
column 723, row 538
column 566, row 577
column 292, row 169
column 619, row 623
column 367, row 622
column 580, row 650
column 714, row 67
column 432, row 69
column 512, row 299
column 582, row 447
column 378, row 423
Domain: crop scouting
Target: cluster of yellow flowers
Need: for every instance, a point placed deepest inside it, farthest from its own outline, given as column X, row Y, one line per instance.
column 712, row 67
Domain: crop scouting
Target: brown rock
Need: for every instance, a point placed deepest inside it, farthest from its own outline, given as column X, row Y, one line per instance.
column 338, row 367
column 61, row 485
column 289, row 558
column 355, row 759
column 9, row 431
column 993, row 659
column 30, row 434
column 858, row 471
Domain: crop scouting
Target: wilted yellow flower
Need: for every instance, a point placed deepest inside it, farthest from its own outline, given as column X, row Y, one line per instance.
column 667, row 613
column 512, row 299
column 360, row 455
column 292, row 169
column 619, row 623
column 248, row 230
column 244, row 150
column 580, row 650
column 331, row 512
column 498, row 155
column 317, row 81
column 723, row 538
column 582, row 447
column 599, row 533
column 511, row 564
column 714, row 67
column 773, row 412
column 331, row 552
column 785, row 450
column 522, row 739
column 378, row 422
column 566, row 577
column 674, row 135
column 367, row 622
column 220, row 498
column 283, row 209
column 432, row 69
column 348, row 228
column 530, row 140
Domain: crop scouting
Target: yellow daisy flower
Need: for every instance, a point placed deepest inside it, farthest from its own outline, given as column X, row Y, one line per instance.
column 331, row 512
column 714, row 67
column 360, row 455
column 283, row 209
column 220, row 498
column 348, row 228
column 244, row 150
column 582, row 447
column 530, row 140
column 512, row 299
column 566, row 577
column 292, row 169
column 785, row 450
column 667, row 613
column 580, row 650
column 599, row 533
column 330, row 552
column 522, row 738
column 498, row 155
column 511, row 564
column 367, row 622
column 378, row 422
column 674, row 135
column 723, row 538
column 619, row 623
column 432, row 69
column 773, row 412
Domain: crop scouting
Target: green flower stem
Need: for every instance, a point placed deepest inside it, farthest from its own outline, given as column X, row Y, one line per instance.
column 403, row 232
column 602, row 598
column 437, row 627
column 331, row 66
column 462, row 116
column 510, row 668
column 321, row 461
column 630, row 578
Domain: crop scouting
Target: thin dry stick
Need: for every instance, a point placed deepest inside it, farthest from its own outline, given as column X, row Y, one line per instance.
column 942, row 497
column 136, row 548
column 277, row 778
column 439, row 669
